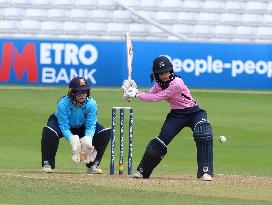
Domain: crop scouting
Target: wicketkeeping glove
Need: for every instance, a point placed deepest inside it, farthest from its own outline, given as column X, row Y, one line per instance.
column 76, row 147
column 88, row 149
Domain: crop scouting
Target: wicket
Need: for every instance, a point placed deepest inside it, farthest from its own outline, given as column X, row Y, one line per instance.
column 130, row 139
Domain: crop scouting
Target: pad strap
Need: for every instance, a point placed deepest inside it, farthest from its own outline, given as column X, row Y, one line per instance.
column 203, row 137
column 154, row 153
column 49, row 146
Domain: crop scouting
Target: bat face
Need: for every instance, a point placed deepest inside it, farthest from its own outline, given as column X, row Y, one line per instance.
column 130, row 50
column 129, row 55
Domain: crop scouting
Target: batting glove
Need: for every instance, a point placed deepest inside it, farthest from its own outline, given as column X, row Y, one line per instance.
column 127, row 84
column 132, row 83
column 88, row 149
column 131, row 93
column 76, row 148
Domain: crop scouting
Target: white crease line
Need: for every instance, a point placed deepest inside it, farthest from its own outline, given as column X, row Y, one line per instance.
column 24, row 176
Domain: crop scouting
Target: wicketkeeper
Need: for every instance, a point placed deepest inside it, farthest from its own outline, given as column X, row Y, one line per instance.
column 75, row 119
column 184, row 112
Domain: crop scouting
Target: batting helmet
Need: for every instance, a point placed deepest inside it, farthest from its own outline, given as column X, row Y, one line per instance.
column 162, row 64
column 78, row 85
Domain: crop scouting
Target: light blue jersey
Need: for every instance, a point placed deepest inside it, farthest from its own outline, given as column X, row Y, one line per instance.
column 71, row 116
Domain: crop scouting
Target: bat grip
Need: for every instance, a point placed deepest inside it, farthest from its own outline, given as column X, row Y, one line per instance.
column 129, row 75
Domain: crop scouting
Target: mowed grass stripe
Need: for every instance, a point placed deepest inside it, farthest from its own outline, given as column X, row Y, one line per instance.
column 114, row 89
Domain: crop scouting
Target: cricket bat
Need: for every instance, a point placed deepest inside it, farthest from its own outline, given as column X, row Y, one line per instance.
column 129, row 55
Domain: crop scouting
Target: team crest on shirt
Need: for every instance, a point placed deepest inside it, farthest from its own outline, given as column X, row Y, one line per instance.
column 85, row 115
column 82, row 82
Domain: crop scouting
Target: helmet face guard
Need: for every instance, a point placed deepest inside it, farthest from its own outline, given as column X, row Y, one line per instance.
column 161, row 65
column 79, row 92
column 163, row 70
column 77, row 86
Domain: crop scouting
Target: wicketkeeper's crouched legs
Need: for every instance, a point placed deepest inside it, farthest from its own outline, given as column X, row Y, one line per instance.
column 49, row 146
column 100, row 142
column 203, row 137
column 155, row 151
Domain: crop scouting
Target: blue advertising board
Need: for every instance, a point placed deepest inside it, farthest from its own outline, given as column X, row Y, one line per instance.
column 103, row 63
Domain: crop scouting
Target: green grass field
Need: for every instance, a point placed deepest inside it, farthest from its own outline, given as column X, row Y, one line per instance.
column 243, row 165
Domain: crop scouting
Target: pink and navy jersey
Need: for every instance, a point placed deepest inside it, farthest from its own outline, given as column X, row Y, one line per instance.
column 177, row 95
